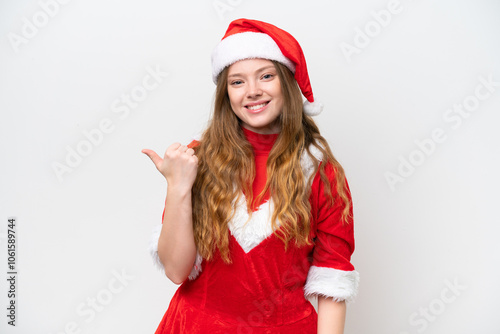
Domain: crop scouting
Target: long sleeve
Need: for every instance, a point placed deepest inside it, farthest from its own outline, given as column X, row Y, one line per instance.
column 331, row 273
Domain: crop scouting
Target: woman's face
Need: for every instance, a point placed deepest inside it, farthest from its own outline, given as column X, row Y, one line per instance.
column 254, row 91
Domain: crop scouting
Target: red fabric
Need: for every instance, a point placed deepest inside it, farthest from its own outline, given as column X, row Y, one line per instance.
column 262, row 290
column 287, row 44
column 194, row 143
column 261, row 145
column 334, row 240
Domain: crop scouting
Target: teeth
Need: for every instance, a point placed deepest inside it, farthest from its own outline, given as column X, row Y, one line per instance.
column 258, row 106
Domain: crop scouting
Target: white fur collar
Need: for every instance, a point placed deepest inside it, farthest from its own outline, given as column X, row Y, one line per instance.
column 250, row 233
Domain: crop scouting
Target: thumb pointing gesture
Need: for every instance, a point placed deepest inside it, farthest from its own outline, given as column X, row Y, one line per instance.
column 154, row 157
column 179, row 165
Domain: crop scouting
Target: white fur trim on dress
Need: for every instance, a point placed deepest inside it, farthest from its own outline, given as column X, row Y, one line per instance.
column 153, row 247
column 153, row 250
column 330, row 282
column 250, row 233
column 307, row 163
column 246, row 45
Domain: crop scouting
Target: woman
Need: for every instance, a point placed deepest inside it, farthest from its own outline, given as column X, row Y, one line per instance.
column 258, row 215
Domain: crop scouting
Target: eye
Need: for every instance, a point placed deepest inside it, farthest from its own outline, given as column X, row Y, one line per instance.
column 268, row 76
column 236, row 82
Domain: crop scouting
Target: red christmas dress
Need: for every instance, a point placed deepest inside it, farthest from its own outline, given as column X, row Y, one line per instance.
column 265, row 289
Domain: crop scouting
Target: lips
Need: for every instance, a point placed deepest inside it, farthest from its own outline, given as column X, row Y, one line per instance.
column 257, row 106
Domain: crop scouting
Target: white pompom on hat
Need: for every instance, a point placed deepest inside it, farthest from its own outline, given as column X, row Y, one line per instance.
column 246, row 39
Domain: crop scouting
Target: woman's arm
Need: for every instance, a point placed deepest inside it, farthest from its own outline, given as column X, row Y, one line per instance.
column 176, row 246
column 331, row 316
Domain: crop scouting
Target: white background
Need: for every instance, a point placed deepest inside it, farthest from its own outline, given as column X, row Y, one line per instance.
column 435, row 227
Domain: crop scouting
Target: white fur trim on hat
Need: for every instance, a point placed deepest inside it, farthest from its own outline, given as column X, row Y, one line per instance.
column 330, row 282
column 312, row 108
column 153, row 250
column 246, row 45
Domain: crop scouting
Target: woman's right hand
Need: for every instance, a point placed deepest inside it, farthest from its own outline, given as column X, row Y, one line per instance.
column 179, row 165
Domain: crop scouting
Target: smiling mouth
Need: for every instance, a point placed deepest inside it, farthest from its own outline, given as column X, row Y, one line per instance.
column 257, row 106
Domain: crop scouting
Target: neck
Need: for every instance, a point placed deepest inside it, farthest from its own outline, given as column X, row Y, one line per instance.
column 261, row 143
column 270, row 130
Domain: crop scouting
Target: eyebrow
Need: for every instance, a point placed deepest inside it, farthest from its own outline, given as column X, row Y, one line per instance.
column 259, row 70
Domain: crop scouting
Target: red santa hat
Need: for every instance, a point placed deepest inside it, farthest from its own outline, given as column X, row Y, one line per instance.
column 245, row 39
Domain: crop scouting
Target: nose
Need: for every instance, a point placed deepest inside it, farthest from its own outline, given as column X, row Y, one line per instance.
column 254, row 89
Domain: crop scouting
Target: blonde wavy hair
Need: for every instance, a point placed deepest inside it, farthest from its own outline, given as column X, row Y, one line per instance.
column 226, row 167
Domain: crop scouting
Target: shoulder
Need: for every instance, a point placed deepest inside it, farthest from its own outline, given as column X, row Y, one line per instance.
column 307, row 160
column 309, row 166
